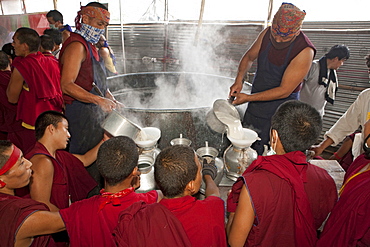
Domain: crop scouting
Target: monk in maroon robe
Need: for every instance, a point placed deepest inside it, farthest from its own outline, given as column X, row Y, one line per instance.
column 282, row 200
column 9, row 126
column 35, row 81
column 91, row 222
column 22, row 219
column 348, row 223
column 178, row 173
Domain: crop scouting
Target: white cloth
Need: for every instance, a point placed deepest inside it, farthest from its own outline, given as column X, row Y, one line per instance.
column 357, row 114
column 312, row 92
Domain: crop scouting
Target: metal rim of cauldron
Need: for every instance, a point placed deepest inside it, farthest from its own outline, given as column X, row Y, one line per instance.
column 167, row 73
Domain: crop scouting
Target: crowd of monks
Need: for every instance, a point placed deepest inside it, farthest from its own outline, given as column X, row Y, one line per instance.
column 64, row 182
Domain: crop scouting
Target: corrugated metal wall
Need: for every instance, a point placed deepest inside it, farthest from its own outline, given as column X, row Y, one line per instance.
column 218, row 48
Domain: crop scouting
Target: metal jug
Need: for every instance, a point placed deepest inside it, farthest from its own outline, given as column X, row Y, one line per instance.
column 146, row 167
column 239, row 155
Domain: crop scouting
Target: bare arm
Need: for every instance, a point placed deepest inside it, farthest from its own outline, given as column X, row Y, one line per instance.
column 318, row 149
column 246, row 63
column 42, row 180
column 72, row 58
column 211, row 187
column 293, row 76
column 15, row 86
column 40, row 223
column 242, row 221
column 90, row 156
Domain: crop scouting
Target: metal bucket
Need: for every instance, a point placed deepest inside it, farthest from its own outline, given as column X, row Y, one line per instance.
column 138, row 93
column 117, row 125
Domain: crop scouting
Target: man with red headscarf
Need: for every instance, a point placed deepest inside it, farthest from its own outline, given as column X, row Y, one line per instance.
column 83, row 81
column 284, row 54
column 22, row 219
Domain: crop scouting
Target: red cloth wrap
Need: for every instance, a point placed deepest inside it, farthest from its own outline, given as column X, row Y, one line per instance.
column 203, row 220
column 89, row 226
column 149, row 225
column 42, row 76
column 291, row 168
column 348, row 223
column 70, row 177
column 8, row 111
column 13, row 158
column 13, row 211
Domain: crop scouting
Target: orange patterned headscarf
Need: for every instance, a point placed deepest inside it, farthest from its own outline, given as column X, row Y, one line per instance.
column 93, row 12
column 288, row 20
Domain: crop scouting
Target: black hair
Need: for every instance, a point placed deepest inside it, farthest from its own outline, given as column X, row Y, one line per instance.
column 45, row 119
column 30, row 37
column 298, row 125
column 9, row 50
column 55, row 35
column 174, row 168
column 339, row 51
column 117, row 158
column 56, row 15
column 96, row 4
column 47, row 42
column 4, row 60
column 4, row 146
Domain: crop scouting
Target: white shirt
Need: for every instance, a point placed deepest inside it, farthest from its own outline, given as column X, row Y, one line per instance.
column 312, row 92
column 357, row 114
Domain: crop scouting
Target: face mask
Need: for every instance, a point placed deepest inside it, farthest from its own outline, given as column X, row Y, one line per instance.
column 52, row 26
column 280, row 45
column 270, row 152
column 91, row 34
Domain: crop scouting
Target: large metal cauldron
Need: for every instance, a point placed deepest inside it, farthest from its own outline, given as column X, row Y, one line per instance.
column 176, row 103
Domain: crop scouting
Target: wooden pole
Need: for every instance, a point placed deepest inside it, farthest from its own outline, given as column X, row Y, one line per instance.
column 200, row 21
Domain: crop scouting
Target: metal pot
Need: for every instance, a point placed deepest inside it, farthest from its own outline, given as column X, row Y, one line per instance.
column 138, row 93
column 224, row 106
column 146, row 167
column 117, row 125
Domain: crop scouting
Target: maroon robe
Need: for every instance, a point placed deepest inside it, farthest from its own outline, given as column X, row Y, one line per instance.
column 88, row 226
column 349, row 221
column 203, row 220
column 149, row 225
column 8, row 112
column 70, row 177
column 85, row 76
column 290, row 197
column 43, row 92
column 13, row 211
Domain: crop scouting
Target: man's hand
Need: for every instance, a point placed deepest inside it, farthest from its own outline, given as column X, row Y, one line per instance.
column 235, row 88
column 241, row 98
column 107, row 105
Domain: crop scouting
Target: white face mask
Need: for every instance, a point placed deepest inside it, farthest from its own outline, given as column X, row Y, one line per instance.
column 91, row 34
column 52, row 26
column 270, row 152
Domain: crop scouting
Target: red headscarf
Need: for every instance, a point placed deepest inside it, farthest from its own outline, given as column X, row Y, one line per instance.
column 288, row 20
column 93, row 12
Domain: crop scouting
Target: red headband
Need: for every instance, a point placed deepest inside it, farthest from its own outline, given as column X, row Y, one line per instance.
column 11, row 161
column 93, row 12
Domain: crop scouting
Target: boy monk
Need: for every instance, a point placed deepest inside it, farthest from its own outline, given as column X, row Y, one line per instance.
column 90, row 222
column 22, row 219
column 178, row 173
